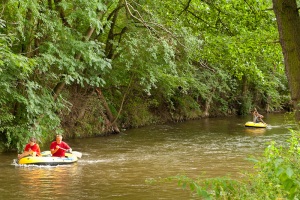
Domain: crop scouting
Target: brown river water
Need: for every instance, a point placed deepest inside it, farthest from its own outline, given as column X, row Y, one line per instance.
column 119, row 166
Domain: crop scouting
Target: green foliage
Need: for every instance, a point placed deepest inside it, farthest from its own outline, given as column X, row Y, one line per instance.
column 14, row 71
column 234, row 44
column 52, row 50
column 231, row 39
column 137, row 113
column 181, row 57
column 26, row 108
column 280, row 170
column 245, row 104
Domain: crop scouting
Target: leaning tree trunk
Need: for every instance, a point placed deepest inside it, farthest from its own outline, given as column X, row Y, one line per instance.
column 207, row 103
column 288, row 22
column 112, row 122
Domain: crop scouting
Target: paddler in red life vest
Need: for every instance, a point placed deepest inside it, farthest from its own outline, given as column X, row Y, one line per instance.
column 58, row 147
column 31, row 149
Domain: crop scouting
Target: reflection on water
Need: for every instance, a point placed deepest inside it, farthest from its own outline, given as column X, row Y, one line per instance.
column 43, row 181
column 255, row 131
column 116, row 167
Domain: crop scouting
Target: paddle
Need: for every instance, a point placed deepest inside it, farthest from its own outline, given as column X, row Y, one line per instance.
column 75, row 153
column 263, row 121
column 260, row 118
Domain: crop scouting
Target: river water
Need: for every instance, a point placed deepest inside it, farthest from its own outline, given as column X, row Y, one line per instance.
column 119, row 166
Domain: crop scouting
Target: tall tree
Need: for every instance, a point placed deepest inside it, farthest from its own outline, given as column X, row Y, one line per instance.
column 288, row 22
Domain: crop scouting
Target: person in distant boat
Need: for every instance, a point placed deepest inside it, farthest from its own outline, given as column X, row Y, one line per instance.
column 257, row 117
column 32, row 148
column 58, row 147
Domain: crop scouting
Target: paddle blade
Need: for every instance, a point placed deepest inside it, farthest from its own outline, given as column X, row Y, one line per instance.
column 77, row 154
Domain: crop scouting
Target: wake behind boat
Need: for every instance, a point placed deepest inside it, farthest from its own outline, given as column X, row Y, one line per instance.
column 47, row 159
column 256, row 125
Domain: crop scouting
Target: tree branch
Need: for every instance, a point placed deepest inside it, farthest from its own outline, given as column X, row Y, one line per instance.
column 123, row 99
column 186, row 7
column 146, row 23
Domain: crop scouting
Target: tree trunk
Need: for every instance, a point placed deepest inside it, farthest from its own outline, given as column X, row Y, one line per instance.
column 57, row 89
column 108, row 111
column 109, row 45
column 288, row 23
column 207, row 103
column 60, row 86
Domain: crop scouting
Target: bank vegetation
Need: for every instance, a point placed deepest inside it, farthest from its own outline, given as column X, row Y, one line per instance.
column 89, row 68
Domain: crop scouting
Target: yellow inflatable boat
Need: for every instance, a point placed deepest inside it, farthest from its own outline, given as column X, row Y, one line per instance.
column 47, row 159
column 256, row 125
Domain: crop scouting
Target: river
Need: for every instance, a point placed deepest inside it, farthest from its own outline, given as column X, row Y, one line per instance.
column 119, row 166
